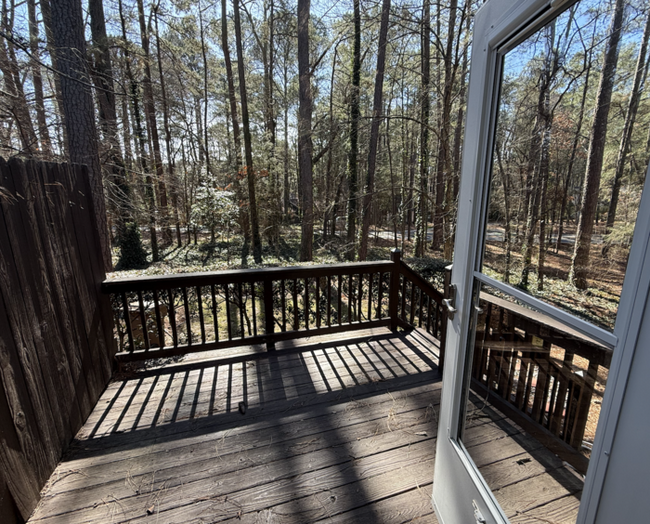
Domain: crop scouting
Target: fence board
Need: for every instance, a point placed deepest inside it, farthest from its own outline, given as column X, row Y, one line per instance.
column 56, row 340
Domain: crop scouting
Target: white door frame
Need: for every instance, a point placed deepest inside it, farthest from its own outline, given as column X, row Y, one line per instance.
column 459, row 491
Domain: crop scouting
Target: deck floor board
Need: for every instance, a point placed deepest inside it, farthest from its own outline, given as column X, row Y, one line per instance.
column 329, row 430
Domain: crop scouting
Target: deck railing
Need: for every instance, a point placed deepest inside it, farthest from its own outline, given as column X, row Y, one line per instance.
column 163, row 316
column 538, row 367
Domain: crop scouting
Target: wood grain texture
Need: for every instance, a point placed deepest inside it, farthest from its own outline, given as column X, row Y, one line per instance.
column 334, row 431
column 56, row 343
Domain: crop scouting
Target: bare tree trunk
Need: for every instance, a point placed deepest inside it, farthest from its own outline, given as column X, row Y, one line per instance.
column 14, row 93
column 173, row 190
column 425, row 104
column 37, row 79
column 355, row 115
column 304, row 133
column 591, row 187
column 68, row 31
column 152, row 125
column 630, row 117
column 374, row 128
column 232, row 99
column 250, row 172
column 140, row 140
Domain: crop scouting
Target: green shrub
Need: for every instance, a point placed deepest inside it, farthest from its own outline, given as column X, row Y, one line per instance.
column 132, row 252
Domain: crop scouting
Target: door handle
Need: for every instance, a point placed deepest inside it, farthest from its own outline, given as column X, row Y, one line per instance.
column 450, row 303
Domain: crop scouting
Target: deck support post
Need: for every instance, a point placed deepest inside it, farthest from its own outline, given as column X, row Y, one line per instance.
column 393, row 295
column 268, row 313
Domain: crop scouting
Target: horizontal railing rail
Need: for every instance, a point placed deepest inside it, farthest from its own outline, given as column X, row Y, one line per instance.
column 163, row 316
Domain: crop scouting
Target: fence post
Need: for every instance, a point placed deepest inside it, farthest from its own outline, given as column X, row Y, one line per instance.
column 268, row 313
column 393, row 295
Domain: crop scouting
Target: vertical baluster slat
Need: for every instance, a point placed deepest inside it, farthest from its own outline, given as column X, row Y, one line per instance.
column 307, row 303
column 253, row 305
column 380, row 295
column 295, row 305
column 412, row 308
column 283, row 299
column 429, row 302
column 159, row 324
column 360, row 298
column 420, row 308
column 199, row 301
column 143, row 322
column 403, row 315
column 215, row 316
column 226, row 289
column 127, row 321
column 338, row 311
column 371, row 277
column 172, row 317
column 188, row 321
column 350, row 299
column 318, row 319
column 240, row 295
column 329, row 301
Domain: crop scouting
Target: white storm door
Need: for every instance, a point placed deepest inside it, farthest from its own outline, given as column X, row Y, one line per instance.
column 460, row 493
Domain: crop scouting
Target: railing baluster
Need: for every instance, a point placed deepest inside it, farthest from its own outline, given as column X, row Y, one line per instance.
column 161, row 331
column 253, row 304
column 241, row 310
column 403, row 315
column 307, row 303
column 380, row 298
column 143, row 322
column 428, row 326
column 360, row 304
column 329, row 301
column 215, row 316
column 350, row 300
column 338, row 311
column 420, row 308
column 188, row 321
column 295, row 305
column 371, row 277
column 318, row 302
column 412, row 308
column 172, row 317
column 226, row 289
column 127, row 321
column 284, row 305
column 199, row 302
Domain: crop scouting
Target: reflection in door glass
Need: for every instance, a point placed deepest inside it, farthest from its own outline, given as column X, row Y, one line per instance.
column 570, row 156
column 571, row 150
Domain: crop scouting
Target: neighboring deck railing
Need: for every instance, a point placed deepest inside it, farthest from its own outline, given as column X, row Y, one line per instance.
column 186, row 313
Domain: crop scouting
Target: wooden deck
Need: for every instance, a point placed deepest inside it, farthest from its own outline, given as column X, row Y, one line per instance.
column 322, row 430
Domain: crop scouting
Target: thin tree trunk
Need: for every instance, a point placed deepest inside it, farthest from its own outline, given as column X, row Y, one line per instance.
column 152, row 125
column 422, row 212
column 37, row 79
column 173, row 190
column 355, row 114
column 630, row 117
column 581, row 254
column 374, row 129
column 248, row 168
column 68, row 31
column 304, row 133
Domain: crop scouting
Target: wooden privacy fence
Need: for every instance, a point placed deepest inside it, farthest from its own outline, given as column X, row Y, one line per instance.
column 163, row 316
column 56, row 333
column 538, row 367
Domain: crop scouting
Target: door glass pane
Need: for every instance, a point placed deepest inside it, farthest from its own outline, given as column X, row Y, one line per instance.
column 553, row 186
column 560, row 218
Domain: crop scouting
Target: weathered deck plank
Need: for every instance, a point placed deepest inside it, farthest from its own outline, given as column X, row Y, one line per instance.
column 339, row 431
